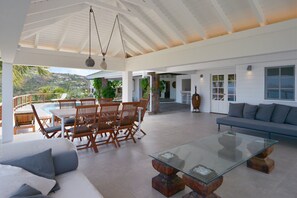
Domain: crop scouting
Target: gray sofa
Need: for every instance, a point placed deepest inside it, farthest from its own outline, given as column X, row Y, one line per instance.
column 270, row 118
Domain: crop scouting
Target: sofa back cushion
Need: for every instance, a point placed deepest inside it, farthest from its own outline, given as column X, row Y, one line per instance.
column 264, row 112
column 236, row 110
column 292, row 116
column 280, row 113
column 249, row 111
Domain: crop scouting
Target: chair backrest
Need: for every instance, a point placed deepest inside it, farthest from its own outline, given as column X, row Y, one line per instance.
column 88, row 101
column 128, row 113
column 85, row 116
column 24, row 118
column 65, row 104
column 38, row 121
column 63, row 96
column 105, row 100
column 143, row 103
column 108, row 113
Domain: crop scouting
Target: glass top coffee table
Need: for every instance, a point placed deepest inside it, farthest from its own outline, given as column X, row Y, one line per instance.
column 205, row 161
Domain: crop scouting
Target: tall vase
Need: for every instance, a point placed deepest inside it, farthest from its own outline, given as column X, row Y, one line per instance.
column 196, row 101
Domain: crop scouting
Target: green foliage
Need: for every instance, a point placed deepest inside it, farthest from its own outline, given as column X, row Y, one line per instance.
column 145, row 85
column 59, row 90
column 97, row 84
column 162, row 86
column 109, row 90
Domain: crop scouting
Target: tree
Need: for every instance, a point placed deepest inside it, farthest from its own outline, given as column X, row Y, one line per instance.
column 20, row 72
column 97, row 84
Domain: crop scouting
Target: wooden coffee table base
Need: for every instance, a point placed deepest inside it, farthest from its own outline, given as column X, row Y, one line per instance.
column 167, row 182
column 201, row 190
column 262, row 162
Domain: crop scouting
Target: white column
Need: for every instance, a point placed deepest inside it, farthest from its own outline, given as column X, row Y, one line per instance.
column 127, row 88
column 7, row 103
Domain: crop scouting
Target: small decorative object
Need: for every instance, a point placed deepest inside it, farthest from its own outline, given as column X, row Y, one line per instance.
column 196, row 101
column 203, row 173
column 174, row 84
column 172, row 159
column 230, row 142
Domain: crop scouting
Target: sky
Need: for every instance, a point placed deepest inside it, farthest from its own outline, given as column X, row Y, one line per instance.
column 82, row 72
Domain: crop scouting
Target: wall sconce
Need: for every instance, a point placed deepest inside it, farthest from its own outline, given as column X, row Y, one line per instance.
column 201, row 76
column 249, row 68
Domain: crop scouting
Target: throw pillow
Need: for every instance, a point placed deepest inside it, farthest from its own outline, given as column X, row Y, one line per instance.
column 12, row 178
column 28, row 192
column 236, row 110
column 292, row 116
column 249, row 111
column 264, row 112
column 280, row 113
column 40, row 164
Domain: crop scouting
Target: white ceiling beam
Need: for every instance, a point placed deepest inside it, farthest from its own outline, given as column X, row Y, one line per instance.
column 222, row 16
column 192, row 13
column 132, row 42
column 46, row 6
column 65, row 32
column 33, row 18
column 258, row 11
column 109, row 7
column 130, row 51
column 36, row 40
column 83, row 45
column 12, row 19
column 158, row 8
column 139, row 3
column 41, row 24
column 146, row 21
column 128, row 24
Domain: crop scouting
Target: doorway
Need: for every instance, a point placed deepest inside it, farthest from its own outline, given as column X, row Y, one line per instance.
column 223, row 91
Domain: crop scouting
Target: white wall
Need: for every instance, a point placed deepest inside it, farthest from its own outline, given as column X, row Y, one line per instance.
column 136, row 92
column 179, row 79
column 249, row 85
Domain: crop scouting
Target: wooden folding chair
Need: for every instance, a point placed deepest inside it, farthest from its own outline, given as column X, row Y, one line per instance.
column 24, row 120
column 88, row 101
column 66, row 104
column 48, row 132
column 106, row 123
column 85, row 120
column 126, row 121
column 136, row 126
column 104, row 100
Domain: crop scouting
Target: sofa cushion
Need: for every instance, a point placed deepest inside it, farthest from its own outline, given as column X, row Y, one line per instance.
column 40, row 164
column 236, row 110
column 65, row 162
column 280, row 113
column 249, row 111
column 12, row 178
column 292, row 116
column 26, row 191
column 264, row 112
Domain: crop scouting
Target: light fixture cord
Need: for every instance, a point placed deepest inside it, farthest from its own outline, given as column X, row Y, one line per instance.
column 115, row 20
column 120, row 29
column 90, row 31
column 97, row 32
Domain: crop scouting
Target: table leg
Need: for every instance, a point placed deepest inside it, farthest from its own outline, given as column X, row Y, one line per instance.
column 139, row 120
column 262, row 162
column 53, row 120
column 167, row 182
column 201, row 190
column 62, row 127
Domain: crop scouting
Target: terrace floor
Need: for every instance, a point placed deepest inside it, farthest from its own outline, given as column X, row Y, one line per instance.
column 127, row 172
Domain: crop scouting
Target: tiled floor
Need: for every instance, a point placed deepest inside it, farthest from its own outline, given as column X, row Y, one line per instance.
column 127, row 172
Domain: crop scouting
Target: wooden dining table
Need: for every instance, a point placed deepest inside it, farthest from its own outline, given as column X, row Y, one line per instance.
column 71, row 112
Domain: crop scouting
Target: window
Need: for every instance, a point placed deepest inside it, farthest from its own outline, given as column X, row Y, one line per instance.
column 280, row 83
column 231, row 87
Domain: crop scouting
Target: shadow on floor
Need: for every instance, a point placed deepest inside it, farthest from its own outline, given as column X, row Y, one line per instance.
column 174, row 107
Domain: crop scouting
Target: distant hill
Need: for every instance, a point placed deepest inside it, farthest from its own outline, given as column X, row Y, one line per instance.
column 74, row 85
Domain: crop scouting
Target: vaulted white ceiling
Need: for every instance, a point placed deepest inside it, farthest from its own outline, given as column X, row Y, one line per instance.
column 147, row 25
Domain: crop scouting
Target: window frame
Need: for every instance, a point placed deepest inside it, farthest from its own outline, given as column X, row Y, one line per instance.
column 279, row 82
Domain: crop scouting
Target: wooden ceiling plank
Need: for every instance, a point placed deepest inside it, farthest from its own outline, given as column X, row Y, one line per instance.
column 145, row 20
column 33, row 18
column 258, row 11
column 65, row 32
column 160, row 11
column 125, row 22
column 36, row 40
column 222, row 16
column 132, row 42
column 186, row 5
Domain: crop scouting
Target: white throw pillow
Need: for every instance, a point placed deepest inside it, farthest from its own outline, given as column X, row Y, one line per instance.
column 12, row 178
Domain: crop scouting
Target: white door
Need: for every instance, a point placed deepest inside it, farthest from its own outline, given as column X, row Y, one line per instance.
column 223, row 91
